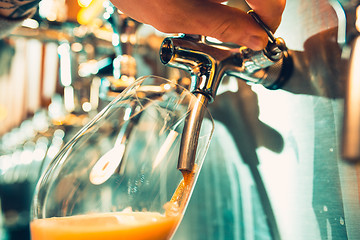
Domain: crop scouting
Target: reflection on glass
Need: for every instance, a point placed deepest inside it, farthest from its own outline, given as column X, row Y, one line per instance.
column 118, row 178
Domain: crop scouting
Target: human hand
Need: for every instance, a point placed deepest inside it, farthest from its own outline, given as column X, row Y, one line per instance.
column 207, row 17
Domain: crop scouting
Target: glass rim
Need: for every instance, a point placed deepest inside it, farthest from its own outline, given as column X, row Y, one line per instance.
column 143, row 78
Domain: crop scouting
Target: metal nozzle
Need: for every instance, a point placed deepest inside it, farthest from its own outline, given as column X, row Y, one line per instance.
column 191, row 131
column 191, row 53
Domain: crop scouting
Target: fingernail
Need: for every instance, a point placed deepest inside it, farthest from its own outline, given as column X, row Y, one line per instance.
column 256, row 43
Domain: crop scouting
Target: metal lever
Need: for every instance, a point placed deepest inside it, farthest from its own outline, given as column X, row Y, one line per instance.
column 256, row 17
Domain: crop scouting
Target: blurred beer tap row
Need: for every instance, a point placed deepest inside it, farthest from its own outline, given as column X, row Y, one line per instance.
column 63, row 65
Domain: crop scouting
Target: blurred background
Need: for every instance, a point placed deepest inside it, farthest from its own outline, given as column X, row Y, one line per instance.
column 53, row 70
column 274, row 168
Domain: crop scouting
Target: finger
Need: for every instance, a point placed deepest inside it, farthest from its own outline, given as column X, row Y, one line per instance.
column 269, row 11
column 215, row 20
column 203, row 17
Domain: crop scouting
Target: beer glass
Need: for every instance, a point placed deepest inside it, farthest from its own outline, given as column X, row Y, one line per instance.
column 118, row 178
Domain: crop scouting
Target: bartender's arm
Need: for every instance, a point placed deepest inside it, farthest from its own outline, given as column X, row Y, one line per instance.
column 204, row 17
column 13, row 12
column 207, row 17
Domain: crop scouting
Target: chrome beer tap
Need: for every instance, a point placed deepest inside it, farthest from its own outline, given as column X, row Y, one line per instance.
column 123, row 40
column 208, row 63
